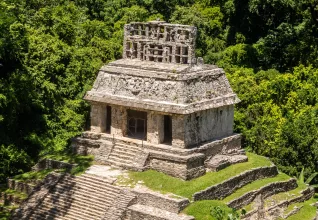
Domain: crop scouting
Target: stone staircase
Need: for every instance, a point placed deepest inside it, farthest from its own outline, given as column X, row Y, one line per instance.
column 86, row 197
column 127, row 156
column 138, row 211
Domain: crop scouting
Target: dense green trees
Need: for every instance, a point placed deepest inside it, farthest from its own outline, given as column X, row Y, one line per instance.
column 51, row 50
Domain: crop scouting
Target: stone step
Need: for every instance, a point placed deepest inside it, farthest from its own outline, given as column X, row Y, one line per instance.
column 94, row 178
column 152, row 213
column 74, row 210
column 124, row 147
column 122, row 164
column 103, row 198
column 122, row 161
column 114, row 156
column 92, row 189
column 79, row 205
column 74, row 214
column 126, row 152
column 88, row 201
column 82, row 184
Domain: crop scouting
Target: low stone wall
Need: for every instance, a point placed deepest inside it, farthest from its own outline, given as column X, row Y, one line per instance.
column 52, row 164
column 23, row 187
column 142, row 212
column 265, row 191
column 157, row 200
column 305, row 195
column 36, row 197
column 226, row 145
column 10, row 199
column 229, row 186
column 184, row 167
column 181, row 166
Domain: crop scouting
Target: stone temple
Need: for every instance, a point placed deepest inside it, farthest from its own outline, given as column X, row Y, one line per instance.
column 161, row 108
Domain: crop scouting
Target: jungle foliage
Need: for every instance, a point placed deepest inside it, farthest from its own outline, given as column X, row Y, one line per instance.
column 51, row 50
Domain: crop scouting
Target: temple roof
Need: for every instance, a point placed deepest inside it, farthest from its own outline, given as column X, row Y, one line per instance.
column 159, row 72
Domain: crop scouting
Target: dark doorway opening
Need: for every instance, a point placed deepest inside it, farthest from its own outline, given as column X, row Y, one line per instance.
column 167, row 130
column 137, row 124
column 108, row 118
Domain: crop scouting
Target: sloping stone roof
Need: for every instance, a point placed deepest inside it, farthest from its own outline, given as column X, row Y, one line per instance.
column 152, row 77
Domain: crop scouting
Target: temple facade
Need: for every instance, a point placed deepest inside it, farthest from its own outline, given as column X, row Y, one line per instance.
column 161, row 108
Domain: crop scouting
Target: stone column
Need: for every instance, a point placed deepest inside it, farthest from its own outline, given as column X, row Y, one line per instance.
column 98, row 118
column 119, row 121
column 178, row 131
column 155, row 128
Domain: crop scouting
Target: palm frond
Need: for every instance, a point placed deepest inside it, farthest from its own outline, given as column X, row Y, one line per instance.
column 312, row 176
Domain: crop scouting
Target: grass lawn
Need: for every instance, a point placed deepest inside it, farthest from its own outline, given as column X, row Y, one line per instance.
column 21, row 195
column 202, row 209
column 166, row 184
column 255, row 186
column 83, row 162
column 4, row 215
column 33, row 175
column 306, row 212
column 291, row 207
column 286, row 195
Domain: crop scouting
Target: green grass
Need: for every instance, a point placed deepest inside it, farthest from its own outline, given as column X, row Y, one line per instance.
column 20, row 195
column 306, row 212
column 33, row 175
column 291, row 207
column 286, row 195
column 255, row 186
column 83, row 162
column 280, row 197
column 166, row 184
column 5, row 214
column 202, row 209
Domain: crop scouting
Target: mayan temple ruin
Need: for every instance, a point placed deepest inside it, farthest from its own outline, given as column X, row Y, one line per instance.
column 160, row 109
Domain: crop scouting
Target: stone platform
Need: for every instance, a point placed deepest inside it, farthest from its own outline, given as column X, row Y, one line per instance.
column 141, row 155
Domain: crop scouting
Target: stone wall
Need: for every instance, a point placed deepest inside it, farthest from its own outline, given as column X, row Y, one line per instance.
column 209, row 124
column 143, row 212
column 155, row 128
column 225, row 146
column 226, row 188
column 187, row 130
column 98, row 118
column 175, row 161
column 183, row 169
column 52, row 164
column 36, row 197
column 272, row 210
column 119, row 121
column 265, row 191
column 210, row 86
column 23, row 187
column 158, row 200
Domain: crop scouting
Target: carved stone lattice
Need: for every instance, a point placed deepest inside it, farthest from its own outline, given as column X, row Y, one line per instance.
column 159, row 42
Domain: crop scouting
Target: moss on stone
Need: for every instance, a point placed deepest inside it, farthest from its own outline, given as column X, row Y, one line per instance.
column 166, row 184
column 255, row 186
column 306, row 212
column 32, row 175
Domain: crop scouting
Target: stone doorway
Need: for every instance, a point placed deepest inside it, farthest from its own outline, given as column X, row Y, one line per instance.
column 167, row 130
column 137, row 124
